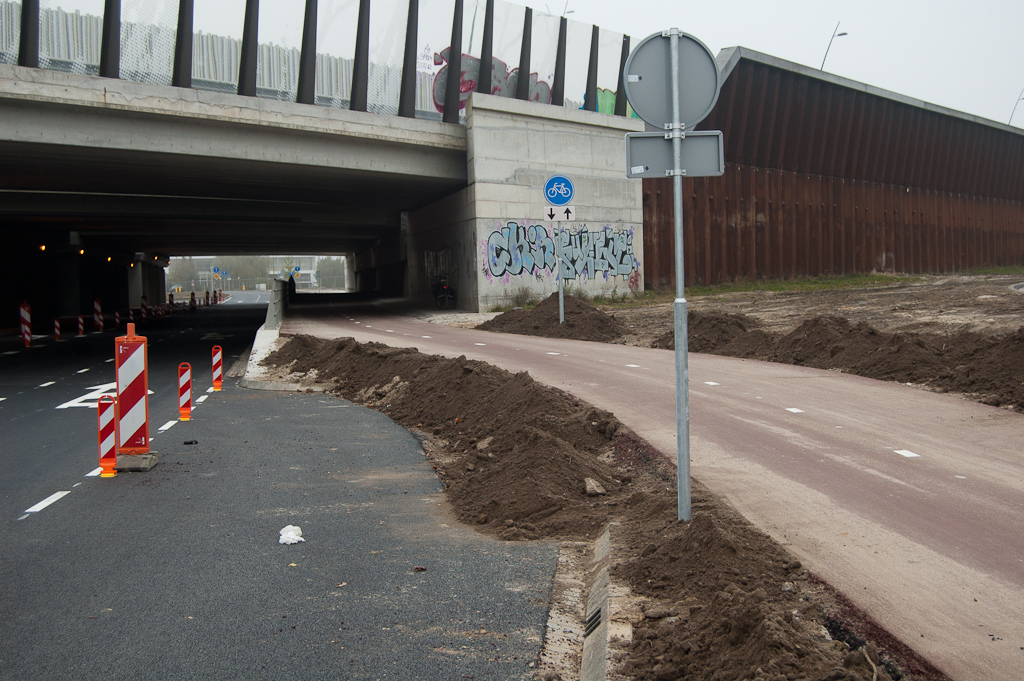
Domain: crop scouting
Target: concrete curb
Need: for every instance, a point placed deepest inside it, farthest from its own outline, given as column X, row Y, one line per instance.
column 594, row 666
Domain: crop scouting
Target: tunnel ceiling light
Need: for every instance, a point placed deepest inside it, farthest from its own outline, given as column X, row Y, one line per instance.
column 81, row 251
column 108, row 258
column 42, row 247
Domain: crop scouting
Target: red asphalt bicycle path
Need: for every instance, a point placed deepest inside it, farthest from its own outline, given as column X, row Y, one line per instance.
column 910, row 502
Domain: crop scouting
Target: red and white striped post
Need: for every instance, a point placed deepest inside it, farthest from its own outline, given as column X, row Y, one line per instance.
column 184, row 391
column 81, row 325
column 145, row 304
column 218, row 367
column 132, row 393
column 117, row 320
column 56, row 328
column 97, row 315
column 131, row 315
column 26, row 324
column 107, row 410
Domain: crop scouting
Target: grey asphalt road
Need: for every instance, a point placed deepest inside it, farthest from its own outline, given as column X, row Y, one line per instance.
column 177, row 573
column 910, row 502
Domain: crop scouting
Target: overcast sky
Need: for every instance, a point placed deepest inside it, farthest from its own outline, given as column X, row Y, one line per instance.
column 967, row 56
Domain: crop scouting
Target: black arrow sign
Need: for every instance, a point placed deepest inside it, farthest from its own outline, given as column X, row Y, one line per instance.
column 551, row 213
column 568, row 213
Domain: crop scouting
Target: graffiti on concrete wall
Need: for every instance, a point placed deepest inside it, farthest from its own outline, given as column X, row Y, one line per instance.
column 503, row 80
column 518, row 250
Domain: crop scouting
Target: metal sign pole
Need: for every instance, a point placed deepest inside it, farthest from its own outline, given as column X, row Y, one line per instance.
column 682, row 367
column 561, row 284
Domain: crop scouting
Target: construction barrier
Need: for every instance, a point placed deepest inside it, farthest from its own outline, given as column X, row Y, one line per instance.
column 56, row 328
column 218, row 367
column 184, row 391
column 26, row 324
column 97, row 315
column 132, row 367
column 117, row 320
column 81, row 325
column 107, row 410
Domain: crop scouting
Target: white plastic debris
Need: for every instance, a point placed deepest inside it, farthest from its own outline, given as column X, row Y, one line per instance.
column 290, row 534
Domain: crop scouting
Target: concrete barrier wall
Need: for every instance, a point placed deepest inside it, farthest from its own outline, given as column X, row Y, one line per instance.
column 493, row 238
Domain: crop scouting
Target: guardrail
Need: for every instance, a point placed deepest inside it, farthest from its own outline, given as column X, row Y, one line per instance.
column 278, row 303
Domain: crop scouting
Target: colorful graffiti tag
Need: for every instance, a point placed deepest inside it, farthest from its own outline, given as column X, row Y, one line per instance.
column 503, row 80
column 516, row 250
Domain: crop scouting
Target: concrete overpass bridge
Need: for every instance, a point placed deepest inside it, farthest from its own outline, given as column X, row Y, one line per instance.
column 102, row 178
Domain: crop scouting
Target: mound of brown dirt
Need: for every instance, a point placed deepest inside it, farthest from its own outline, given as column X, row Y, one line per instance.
column 987, row 368
column 582, row 321
column 514, row 455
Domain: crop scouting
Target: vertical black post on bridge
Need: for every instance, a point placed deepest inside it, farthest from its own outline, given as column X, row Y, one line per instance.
column 306, row 93
column 485, row 77
column 250, row 47
column 110, row 48
column 452, row 90
column 183, row 45
column 28, row 46
column 523, row 79
column 590, row 99
column 361, row 61
column 407, row 95
column 620, row 94
column 558, row 87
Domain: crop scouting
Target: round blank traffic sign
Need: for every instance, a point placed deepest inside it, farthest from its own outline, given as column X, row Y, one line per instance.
column 647, row 79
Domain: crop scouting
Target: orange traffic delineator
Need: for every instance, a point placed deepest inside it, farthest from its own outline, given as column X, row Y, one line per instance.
column 132, row 366
column 184, row 391
column 56, row 328
column 81, row 325
column 218, row 367
column 106, row 408
column 97, row 315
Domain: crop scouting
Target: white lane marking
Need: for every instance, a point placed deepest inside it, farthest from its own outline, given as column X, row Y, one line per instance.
column 961, row 477
column 94, row 473
column 366, row 326
column 633, row 366
column 108, row 361
column 390, row 331
column 48, row 383
column 201, row 399
column 76, row 484
column 711, row 383
column 795, row 410
column 2, row 399
column 907, row 453
column 424, row 336
column 12, row 352
column 210, row 389
column 166, row 426
column 479, row 343
column 82, row 371
column 57, row 496
column 554, row 353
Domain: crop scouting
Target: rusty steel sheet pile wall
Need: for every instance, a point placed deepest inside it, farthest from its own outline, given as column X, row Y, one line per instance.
column 828, row 176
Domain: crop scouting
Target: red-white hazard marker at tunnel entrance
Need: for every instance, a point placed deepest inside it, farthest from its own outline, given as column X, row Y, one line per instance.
column 218, row 367
column 132, row 393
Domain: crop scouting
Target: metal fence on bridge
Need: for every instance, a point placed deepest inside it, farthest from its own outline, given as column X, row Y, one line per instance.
column 383, row 56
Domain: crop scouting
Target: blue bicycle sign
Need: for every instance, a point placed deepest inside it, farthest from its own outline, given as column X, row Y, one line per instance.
column 558, row 190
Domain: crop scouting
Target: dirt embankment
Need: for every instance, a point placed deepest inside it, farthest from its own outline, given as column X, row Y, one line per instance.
column 717, row 598
column 949, row 334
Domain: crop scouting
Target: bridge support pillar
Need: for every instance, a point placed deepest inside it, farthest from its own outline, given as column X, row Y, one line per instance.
column 497, row 238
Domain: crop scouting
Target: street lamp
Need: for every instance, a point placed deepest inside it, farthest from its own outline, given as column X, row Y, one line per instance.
column 1020, row 97
column 834, row 36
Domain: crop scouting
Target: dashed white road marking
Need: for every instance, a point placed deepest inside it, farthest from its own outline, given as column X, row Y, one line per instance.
column 633, row 366
column 390, row 331
column 908, row 454
column 57, row 496
column 201, row 399
column 961, row 477
column 711, row 383
column 166, row 426
column 108, row 361
column 12, row 352
column 479, row 343
column 94, row 473
column 82, row 371
column 48, row 383
column 795, row 410
column 424, row 336
column 554, row 353
column 2, row 399
column 210, row 389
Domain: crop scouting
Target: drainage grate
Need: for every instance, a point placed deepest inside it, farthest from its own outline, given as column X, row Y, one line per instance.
column 593, row 621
